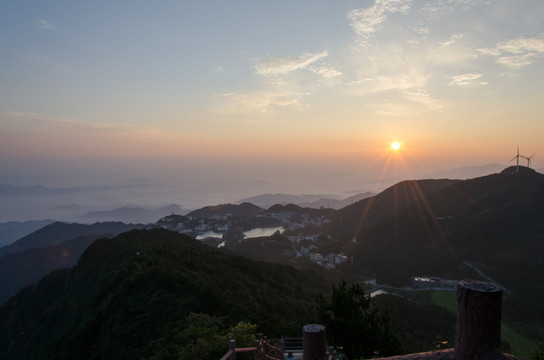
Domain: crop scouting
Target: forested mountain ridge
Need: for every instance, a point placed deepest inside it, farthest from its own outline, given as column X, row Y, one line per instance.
column 129, row 295
column 132, row 297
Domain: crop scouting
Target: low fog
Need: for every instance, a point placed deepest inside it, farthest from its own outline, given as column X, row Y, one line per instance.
column 70, row 190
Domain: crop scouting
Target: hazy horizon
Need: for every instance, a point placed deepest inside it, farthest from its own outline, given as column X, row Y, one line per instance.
column 73, row 203
column 207, row 102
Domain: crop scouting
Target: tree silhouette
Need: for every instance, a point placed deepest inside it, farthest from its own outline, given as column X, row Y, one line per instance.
column 351, row 323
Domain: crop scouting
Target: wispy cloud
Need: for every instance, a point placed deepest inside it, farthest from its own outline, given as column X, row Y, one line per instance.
column 415, row 102
column 451, row 40
column 284, row 65
column 287, row 82
column 326, row 72
column 45, row 25
column 468, row 4
column 466, row 79
column 77, row 126
column 365, row 22
column 401, row 81
column 22, row 114
column 517, row 53
column 397, row 47
column 423, row 98
column 258, row 101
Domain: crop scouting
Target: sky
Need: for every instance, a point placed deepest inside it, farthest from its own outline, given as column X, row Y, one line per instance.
column 266, row 96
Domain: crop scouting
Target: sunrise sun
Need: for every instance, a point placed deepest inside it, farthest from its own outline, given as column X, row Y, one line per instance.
column 395, row 145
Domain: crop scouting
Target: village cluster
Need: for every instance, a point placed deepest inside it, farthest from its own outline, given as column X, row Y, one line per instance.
column 228, row 227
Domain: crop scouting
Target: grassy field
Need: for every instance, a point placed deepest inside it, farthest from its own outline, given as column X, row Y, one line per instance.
column 447, row 299
column 519, row 345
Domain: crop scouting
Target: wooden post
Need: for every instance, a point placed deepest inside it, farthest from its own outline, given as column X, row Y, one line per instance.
column 257, row 346
column 232, row 347
column 314, row 342
column 478, row 334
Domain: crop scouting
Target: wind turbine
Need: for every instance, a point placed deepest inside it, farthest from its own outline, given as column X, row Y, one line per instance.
column 517, row 160
column 528, row 158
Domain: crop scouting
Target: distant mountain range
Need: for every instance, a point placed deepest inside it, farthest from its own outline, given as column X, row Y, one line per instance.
column 309, row 201
column 86, row 204
column 14, row 230
column 128, row 214
column 245, row 209
column 142, row 200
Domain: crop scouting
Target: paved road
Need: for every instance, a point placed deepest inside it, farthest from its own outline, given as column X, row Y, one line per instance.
column 467, row 263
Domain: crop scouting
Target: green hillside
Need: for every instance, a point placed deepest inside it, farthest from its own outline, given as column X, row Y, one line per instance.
column 131, row 295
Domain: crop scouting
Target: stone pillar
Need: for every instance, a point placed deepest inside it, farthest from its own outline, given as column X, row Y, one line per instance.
column 478, row 334
column 314, row 342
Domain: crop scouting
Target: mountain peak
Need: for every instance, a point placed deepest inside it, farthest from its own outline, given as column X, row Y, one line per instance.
column 518, row 170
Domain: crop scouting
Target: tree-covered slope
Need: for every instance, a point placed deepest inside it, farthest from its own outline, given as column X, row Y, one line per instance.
column 419, row 327
column 130, row 295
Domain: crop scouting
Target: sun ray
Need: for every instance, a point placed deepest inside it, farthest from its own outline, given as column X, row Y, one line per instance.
column 411, row 192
